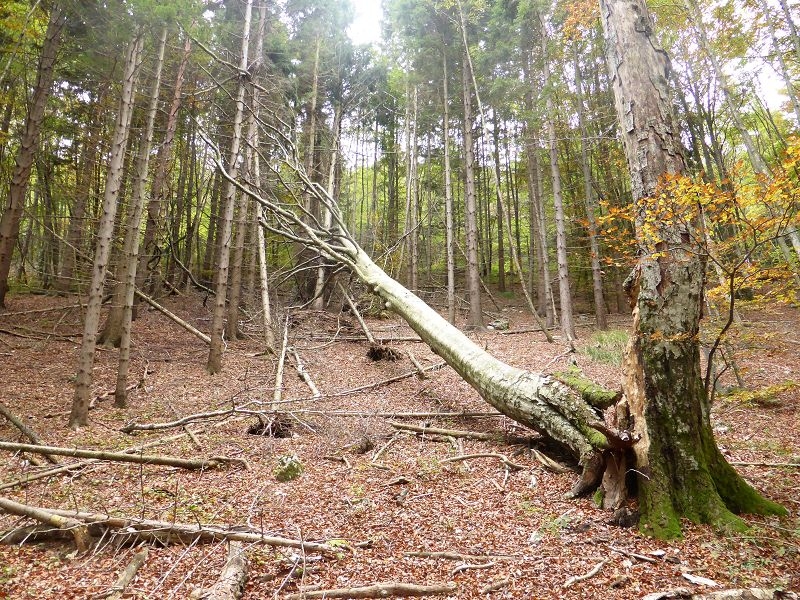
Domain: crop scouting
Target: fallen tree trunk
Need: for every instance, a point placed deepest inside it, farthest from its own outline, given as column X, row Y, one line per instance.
column 379, row 590
column 142, row 459
column 233, row 578
column 79, row 531
column 134, row 529
column 128, row 574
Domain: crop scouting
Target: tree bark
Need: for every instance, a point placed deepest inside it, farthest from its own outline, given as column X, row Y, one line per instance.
column 214, row 364
column 473, row 273
column 448, row 198
column 681, row 472
column 79, row 416
column 564, row 292
column 20, row 176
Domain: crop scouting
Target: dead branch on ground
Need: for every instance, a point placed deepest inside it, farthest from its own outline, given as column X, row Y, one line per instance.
column 233, row 577
column 26, row 431
column 379, row 590
column 142, row 459
column 588, row 575
column 304, row 375
column 79, row 531
column 501, row 457
column 173, row 317
column 136, row 529
column 127, row 575
column 456, row 433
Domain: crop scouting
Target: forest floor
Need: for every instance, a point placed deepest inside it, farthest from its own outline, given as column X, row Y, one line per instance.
column 514, row 529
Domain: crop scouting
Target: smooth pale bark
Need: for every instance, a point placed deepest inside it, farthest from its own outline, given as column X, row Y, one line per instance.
column 79, row 416
column 501, row 254
column 124, row 292
column 680, row 470
column 591, row 209
column 214, row 364
column 473, row 273
column 20, row 176
column 448, row 200
column 564, row 292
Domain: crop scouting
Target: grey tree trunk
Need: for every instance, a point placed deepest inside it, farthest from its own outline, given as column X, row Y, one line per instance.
column 18, row 187
column 79, row 416
column 681, row 472
column 591, row 209
column 473, row 272
column 564, row 292
column 448, row 200
column 127, row 273
column 225, row 226
column 163, row 164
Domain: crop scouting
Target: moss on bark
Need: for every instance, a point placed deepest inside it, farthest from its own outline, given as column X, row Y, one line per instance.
column 594, row 394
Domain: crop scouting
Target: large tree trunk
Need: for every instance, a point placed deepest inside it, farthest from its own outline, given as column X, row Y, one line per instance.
column 681, row 472
column 18, row 187
column 79, row 416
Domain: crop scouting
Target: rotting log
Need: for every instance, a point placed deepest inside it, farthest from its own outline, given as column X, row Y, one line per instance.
column 142, row 459
column 127, row 575
column 379, row 590
column 131, row 528
column 233, row 577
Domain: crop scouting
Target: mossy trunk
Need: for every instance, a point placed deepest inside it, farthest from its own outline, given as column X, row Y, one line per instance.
column 680, row 471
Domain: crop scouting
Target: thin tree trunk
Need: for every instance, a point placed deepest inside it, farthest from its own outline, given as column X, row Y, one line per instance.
column 591, row 209
column 127, row 272
column 157, row 192
column 18, row 187
column 501, row 254
column 473, row 274
column 79, row 416
column 565, row 295
column 214, row 364
column 448, row 200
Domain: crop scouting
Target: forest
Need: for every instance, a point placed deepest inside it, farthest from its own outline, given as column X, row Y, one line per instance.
column 503, row 302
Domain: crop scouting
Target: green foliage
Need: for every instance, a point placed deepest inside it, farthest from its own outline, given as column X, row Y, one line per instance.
column 289, row 468
column 765, row 396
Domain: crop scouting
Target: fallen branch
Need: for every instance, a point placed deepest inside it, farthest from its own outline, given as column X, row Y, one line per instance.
column 736, row 594
column 495, row 586
column 471, row 566
column 79, row 531
column 448, row 555
column 635, row 555
column 588, row 575
column 301, row 371
column 456, row 433
column 549, row 463
column 791, row 465
column 501, row 457
column 127, row 575
column 26, row 431
column 133, row 528
column 357, row 313
column 233, row 577
column 205, row 416
column 85, row 463
column 142, row 459
column 377, row 340
column 399, row 415
column 175, row 318
column 415, row 362
column 278, row 393
column 379, row 590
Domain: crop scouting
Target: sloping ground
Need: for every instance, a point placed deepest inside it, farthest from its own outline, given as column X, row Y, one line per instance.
column 515, row 526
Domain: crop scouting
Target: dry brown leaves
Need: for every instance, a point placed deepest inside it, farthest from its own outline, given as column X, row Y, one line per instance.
column 518, row 523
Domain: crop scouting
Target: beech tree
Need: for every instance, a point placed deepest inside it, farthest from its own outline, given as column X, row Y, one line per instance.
column 680, row 471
